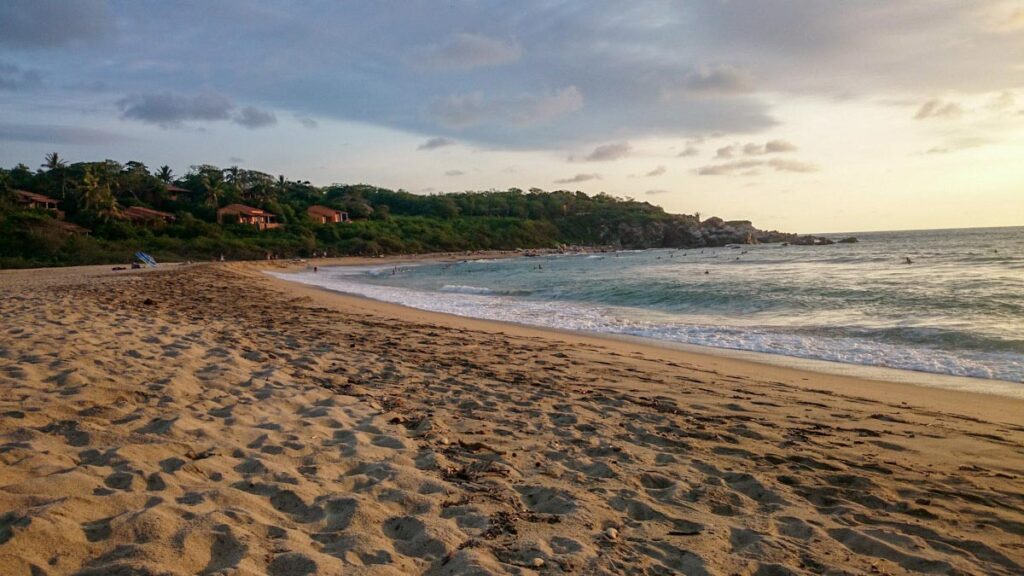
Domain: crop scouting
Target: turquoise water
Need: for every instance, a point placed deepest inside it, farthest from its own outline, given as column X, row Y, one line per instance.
column 957, row 309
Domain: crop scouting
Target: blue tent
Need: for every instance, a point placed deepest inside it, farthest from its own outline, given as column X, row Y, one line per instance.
column 145, row 258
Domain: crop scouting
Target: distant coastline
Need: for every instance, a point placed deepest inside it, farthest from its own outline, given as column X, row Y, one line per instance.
column 106, row 212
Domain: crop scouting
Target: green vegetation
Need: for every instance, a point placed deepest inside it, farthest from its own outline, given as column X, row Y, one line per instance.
column 95, row 195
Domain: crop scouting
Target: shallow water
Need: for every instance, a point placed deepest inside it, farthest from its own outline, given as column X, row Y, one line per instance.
column 957, row 309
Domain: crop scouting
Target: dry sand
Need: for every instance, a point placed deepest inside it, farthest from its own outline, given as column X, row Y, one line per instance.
column 211, row 420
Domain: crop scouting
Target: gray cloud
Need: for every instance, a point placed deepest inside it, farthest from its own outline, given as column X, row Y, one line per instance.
column 467, row 51
column 579, row 178
column 938, row 109
column 782, row 165
column 454, row 173
column 55, row 134
column 608, row 152
column 755, row 149
column 726, row 151
column 656, row 192
column 436, row 142
column 721, row 81
column 466, row 110
column 167, row 109
column 730, row 168
column 958, row 144
column 307, row 122
column 724, row 66
column 770, row 147
column 690, row 150
column 14, row 77
column 252, row 118
column 52, row 23
column 751, row 167
column 656, row 172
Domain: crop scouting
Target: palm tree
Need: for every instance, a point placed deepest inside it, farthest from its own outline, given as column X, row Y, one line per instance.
column 95, row 195
column 165, row 174
column 213, row 186
column 53, row 161
column 281, row 186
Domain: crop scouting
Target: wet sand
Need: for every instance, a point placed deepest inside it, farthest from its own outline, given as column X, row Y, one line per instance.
column 210, row 419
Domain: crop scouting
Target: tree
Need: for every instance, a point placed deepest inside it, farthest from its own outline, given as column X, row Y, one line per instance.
column 213, row 187
column 94, row 195
column 53, row 162
column 165, row 174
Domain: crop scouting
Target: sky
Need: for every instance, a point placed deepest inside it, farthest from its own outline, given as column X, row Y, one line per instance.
column 800, row 115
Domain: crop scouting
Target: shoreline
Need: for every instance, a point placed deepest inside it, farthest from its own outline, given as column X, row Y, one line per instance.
column 969, row 402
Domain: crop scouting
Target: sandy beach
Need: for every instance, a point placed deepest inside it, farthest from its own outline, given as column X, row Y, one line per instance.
column 210, row 419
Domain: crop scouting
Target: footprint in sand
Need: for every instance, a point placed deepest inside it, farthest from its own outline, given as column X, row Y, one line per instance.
column 546, row 500
column 411, row 538
column 226, row 551
column 97, row 530
column 291, row 564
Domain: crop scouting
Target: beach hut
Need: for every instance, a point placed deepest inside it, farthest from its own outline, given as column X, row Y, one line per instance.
column 325, row 215
column 146, row 215
column 34, row 201
column 243, row 214
column 174, row 191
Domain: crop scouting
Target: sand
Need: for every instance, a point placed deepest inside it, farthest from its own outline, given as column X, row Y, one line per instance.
column 211, row 420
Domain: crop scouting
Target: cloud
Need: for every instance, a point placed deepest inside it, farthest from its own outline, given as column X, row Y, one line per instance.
column 1003, row 101
column 690, row 150
column 307, row 122
column 721, row 81
column 656, row 192
column 935, row 108
column 236, row 160
column 252, row 118
column 434, row 143
column 466, row 110
column 608, row 152
column 53, row 23
column 454, row 173
column 727, row 151
column 579, row 178
column 770, row 147
column 14, row 77
column 751, row 167
column 726, row 66
column 168, row 109
column 468, row 51
column 656, row 172
column 958, row 144
column 57, row 134
column 755, row 149
column 781, row 165
column 460, row 110
column 730, row 168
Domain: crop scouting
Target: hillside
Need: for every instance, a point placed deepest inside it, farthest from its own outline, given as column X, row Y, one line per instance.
column 103, row 212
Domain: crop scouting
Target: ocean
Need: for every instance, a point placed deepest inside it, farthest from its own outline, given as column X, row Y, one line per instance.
column 955, row 309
